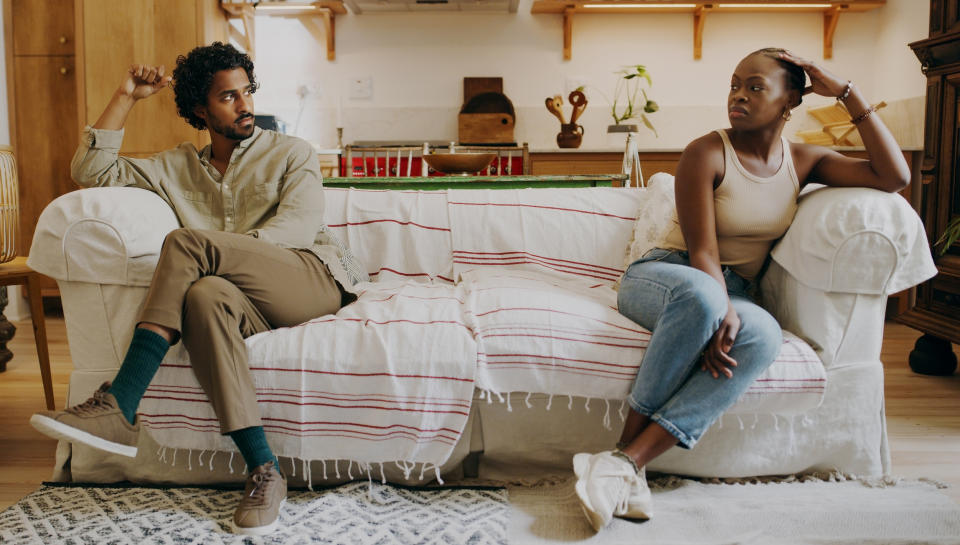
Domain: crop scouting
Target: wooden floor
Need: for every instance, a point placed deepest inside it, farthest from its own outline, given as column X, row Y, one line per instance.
column 923, row 413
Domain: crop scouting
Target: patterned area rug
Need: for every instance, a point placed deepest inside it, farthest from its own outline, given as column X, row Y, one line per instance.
column 354, row 513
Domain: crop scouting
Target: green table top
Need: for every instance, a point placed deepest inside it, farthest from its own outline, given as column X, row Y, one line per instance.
column 474, row 182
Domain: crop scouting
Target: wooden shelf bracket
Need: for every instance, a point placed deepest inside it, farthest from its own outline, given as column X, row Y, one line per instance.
column 699, row 18
column 830, row 18
column 244, row 12
column 568, row 33
column 318, row 17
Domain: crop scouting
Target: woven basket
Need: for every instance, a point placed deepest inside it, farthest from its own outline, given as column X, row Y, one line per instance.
column 9, row 206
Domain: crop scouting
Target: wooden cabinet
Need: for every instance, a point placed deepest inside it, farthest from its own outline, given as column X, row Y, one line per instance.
column 118, row 33
column 65, row 59
column 937, row 310
column 42, row 96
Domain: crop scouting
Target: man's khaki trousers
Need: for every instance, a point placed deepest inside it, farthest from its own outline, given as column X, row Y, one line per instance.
column 217, row 289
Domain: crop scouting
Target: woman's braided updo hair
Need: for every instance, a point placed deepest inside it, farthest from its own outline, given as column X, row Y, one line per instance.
column 796, row 77
column 193, row 76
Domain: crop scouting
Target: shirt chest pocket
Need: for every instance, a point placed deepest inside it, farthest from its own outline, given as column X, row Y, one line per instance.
column 262, row 195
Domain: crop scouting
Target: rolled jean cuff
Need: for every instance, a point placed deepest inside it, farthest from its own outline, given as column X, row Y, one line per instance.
column 683, row 439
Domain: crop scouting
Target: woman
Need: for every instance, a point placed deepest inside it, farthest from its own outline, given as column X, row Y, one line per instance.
column 736, row 193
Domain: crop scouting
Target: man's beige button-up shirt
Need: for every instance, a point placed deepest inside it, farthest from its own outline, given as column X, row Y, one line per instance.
column 272, row 189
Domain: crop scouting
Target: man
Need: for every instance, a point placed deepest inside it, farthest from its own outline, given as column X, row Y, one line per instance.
column 250, row 257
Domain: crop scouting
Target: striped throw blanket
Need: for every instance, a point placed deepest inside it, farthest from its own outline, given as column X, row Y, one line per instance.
column 391, row 377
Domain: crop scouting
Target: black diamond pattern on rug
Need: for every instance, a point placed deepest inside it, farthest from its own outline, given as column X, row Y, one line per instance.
column 355, row 513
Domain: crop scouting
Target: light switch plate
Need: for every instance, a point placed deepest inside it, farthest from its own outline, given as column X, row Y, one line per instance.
column 361, row 87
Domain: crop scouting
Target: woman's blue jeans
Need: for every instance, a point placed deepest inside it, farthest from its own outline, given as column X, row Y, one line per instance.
column 683, row 307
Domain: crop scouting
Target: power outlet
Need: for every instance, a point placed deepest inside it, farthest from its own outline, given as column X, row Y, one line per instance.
column 310, row 90
column 361, row 87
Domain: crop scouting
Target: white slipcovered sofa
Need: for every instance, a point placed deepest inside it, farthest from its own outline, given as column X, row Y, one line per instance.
column 488, row 340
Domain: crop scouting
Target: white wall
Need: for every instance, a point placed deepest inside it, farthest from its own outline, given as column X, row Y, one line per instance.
column 418, row 61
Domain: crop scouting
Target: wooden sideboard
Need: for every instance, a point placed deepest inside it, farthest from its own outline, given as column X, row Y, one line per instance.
column 937, row 309
column 600, row 162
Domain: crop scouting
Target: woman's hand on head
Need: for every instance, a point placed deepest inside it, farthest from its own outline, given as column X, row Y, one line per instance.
column 822, row 82
column 716, row 357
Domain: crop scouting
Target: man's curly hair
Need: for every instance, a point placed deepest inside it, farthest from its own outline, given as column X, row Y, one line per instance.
column 193, row 76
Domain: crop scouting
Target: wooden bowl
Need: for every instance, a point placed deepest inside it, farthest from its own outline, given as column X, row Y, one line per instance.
column 459, row 163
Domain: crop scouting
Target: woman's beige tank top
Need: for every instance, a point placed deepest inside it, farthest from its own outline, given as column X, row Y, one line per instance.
column 752, row 212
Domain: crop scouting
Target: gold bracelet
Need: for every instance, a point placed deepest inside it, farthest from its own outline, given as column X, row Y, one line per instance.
column 863, row 115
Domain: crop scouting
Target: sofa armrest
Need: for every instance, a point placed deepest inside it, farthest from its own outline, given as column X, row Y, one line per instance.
column 856, row 240
column 108, row 235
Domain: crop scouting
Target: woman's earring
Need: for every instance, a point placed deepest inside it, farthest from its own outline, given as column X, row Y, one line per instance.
column 786, row 114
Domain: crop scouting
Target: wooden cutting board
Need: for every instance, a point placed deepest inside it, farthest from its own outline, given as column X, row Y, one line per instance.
column 475, row 86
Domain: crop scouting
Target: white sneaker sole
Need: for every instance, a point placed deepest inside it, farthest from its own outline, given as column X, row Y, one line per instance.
column 59, row 430
column 259, row 530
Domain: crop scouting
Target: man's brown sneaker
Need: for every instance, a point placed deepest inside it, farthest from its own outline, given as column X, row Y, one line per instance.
column 97, row 422
column 259, row 508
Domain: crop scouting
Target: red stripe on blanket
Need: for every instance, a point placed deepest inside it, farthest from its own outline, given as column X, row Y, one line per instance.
column 509, row 364
column 625, row 366
column 394, row 271
column 186, row 417
column 366, row 321
column 189, row 389
column 565, row 339
column 318, row 372
column 412, row 297
column 332, row 397
column 510, row 309
column 387, row 220
column 262, row 399
column 523, row 252
column 561, row 209
column 524, row 261
column 600, row 374
column 572, row 331
column 346, row 434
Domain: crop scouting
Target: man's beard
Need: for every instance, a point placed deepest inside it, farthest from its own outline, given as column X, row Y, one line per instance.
column 229, row 131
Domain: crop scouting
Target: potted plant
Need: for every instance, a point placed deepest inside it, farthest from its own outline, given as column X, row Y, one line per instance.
column 950, row 235
column 630, row 100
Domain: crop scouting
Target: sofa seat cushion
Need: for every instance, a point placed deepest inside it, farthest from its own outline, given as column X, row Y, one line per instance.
column 552, row 334
column 388, row 378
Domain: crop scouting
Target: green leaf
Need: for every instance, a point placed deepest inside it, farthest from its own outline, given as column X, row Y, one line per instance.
column 649, row 124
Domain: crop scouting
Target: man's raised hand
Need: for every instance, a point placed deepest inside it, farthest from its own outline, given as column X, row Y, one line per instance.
column 142, row 80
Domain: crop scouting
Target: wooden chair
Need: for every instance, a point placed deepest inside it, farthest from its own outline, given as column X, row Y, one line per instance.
column 393, row 161
column 14, row 269
column 405, row 161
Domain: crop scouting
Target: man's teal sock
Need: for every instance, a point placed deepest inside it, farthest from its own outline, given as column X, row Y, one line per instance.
column 253, row 446
column 139, row 365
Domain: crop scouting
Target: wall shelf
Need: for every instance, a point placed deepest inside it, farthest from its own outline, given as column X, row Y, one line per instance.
column 830, row 9
column 318, row 17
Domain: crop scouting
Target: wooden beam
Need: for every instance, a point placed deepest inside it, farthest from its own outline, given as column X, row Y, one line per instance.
column 567, row 33
column 830, row 19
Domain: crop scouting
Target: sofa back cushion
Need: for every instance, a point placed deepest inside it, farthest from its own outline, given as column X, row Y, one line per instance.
column 394, row 234
column 572, row 232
